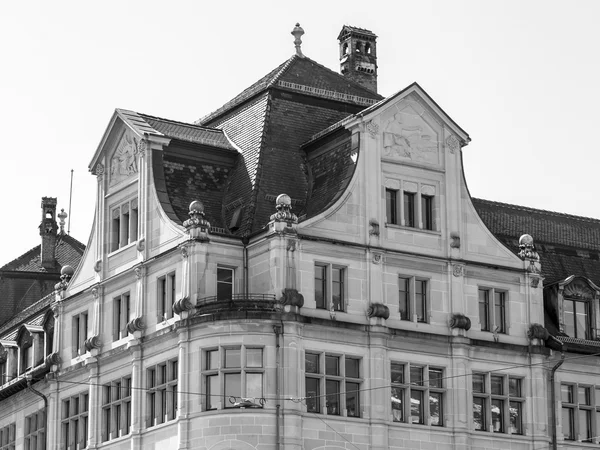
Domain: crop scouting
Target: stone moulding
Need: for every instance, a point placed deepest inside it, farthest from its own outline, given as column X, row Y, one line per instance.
column 53, row 359
column 183, row 304
column 460, row 321
column 136, row 324
column 93, row 343
column 378, row 310
column 537, row 331
column 292, row 297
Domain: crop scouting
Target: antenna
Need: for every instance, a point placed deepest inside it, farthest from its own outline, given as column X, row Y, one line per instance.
column 70, row 197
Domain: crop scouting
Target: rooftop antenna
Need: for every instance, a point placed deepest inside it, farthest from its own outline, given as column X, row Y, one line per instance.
column 70, row 197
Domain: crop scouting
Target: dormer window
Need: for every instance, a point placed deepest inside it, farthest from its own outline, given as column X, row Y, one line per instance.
column 49, row 334
column 124, row 224
column 578, row 308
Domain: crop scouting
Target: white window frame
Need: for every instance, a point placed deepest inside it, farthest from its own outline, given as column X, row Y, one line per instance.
column 412, row 300
column 123, row 234
column 494, row 327
column 74, row 421
column 488, row 397
column 116, row 409
column 35, row 431
column 166, row 292
column 418, row 190
column 121, row 315
column 218, row 282
column 80, row 325
column 161, row 392
column 328, row 294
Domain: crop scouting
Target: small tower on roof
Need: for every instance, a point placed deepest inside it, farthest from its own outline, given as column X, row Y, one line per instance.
column 358, row 56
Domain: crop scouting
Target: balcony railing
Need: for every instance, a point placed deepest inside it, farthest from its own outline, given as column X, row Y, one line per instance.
column 237, row 302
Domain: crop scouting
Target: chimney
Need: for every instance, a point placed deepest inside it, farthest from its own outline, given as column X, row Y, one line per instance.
column 358, row 56
column 48, row 229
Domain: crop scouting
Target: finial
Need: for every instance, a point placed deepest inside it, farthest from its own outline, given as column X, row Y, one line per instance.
column 197, row 226
column 62, row 215
column 297, row 33
column 284, row 210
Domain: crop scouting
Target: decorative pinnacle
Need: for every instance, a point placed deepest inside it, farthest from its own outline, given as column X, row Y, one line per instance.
column 62, row 215
column 297, row 33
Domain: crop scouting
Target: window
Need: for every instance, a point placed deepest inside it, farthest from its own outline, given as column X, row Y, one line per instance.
column 417, row 394
column 224, row 283
column 161, row 397
column 49, row 335
column 391, row 206
column 74, row 422
column 79, row 333
column 236, row 372
column 121, row 317
column 329, row 287
column 497, row 403
column 577, row 318
column 3, row 371
column 7, row 437
column 580, row 412
column 427, row 212
column 409, row 209
column 26, row 357
column 116, row 409
column 412, row 299
column 492, row 316
column 124, row 224
column 165, row 296
column 35, row 431
column 332, row 384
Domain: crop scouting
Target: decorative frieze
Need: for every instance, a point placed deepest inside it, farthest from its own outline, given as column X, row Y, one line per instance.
column 452, row 143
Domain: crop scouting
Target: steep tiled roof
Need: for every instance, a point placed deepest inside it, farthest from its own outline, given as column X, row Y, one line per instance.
column 567, row 244
column 68, row 252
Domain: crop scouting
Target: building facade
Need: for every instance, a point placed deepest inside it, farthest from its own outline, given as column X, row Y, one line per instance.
column 304, row 268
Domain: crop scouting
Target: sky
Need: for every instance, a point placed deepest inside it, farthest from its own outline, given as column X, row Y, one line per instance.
column 521, row 77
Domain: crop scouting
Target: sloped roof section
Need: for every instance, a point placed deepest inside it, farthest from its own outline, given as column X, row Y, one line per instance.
column 567, row 244
column 68, row 252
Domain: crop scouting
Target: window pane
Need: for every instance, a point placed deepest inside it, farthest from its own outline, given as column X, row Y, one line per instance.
column 212, row 391
column 516, row 423
column 479, row 417
column 390, row 206
column 581, row 320
column 514, row 387
column 598, row 401
column 497, row 415
column 416, row 375
column 313, row 403
column 497, row 385
column 583, row 395
column 332, row 366
column 566, row 393
column 352, row 368
column 499, row 322
column 484, row 309
column 212, row 360
column 233, row 357
column 224, row 291
column 352, row 400
column 404, row 298
column 436, row 409
column 254, row 385
column 569, row 318
column 427, row 212
column 409, row 209
column 397, row 373
column 333, row 397
column 337, row 288
column 416, row 406
column 435, row 378
column 478, row 383
column 254, row 357
column 224, row 275
column 585, row 425
column 224, row 283
column 568, row 428
column 320, row 292
column 311, row 363
column 232, row 387
column 397, row 404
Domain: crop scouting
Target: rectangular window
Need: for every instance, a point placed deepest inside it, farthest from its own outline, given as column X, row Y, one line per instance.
column 35, row 431
column 121, row 316
column 412, row 298
column 427, row 212
column 497, row 403
column 124, row 224
column 74, row 422
column 165, row 297
column 225, row 277
column 409, row 209
column 232, row 375
column 8, row 437
column 577, row 318
column 492, row 316
column 3, row 373
column 26, row 357
column 161, row 394
column 79, row 333
column 391, row 206
column 578, row 411
column 422, row 388
column 330, row 291
column 116, row 409
column 338, row 377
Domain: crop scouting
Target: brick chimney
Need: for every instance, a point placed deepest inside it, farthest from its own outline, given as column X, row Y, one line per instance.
column 48, row 232
column 358, row 56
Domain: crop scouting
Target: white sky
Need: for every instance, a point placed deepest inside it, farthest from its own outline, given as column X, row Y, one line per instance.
column 521, row 77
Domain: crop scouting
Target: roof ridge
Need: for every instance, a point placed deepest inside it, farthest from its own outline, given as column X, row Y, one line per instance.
column 177, row 122
column 546, row 211
column 284, row 67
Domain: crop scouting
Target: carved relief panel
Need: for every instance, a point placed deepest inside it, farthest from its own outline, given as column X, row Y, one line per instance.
column 124, row 160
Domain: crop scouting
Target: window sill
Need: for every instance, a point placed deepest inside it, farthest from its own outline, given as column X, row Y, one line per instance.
column 405, row 228
column 121, row 249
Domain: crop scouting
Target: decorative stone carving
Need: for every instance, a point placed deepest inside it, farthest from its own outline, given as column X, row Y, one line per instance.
column 181, row 305
column 99, row 170
column 124, row 160
column 141, row 244
column 92, row 343
column 578, row 289
column 378, row 310
column 284, row 210
column 136, row 324
column 197, row 226
column 184, row 252
column 452, row 143
column 140, row 271
column 455, row 240
column 535, row 282
column 65, row 276
column 292, row 297
column 98, row 266
column 372, row 128
column 374, row 231
column 377, row 257
column 427, row 189
column 297, row 32
column 53, row 359
column 458, row 320
column 409, row 186
column 142, row 145
column 458, row 270
column 392, row 184
column 95, row 292
column 537, row 331
column 527, row 248
column 407, row 136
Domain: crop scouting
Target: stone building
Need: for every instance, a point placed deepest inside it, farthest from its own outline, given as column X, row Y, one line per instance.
column 304, row 268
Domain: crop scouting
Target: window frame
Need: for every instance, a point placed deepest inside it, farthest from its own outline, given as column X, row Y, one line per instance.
column 219, row 282
column 491, row 324
column 414, row 310
column 328, row 283
column 161, row 393
column 121, row 234
column 121, row 315
column 221, row 371
column 74, row 421
column 79, row 332
column 588, row 306
column 575, row 408
column 346, row 389
column 391, row 206
column 116, row 416
column 489, row 400
column 34, row 437
column 166, row 292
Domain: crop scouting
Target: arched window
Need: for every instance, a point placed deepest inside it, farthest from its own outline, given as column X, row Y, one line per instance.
column 578, row 309
column 358, row 48
column 345, row 50
column 368, row 48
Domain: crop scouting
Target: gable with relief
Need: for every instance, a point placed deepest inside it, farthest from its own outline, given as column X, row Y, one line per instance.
column 409, row 134
column 578, row 289
column 123, row 162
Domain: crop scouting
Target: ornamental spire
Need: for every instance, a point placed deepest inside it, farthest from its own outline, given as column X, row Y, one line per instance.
column 297, row 32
